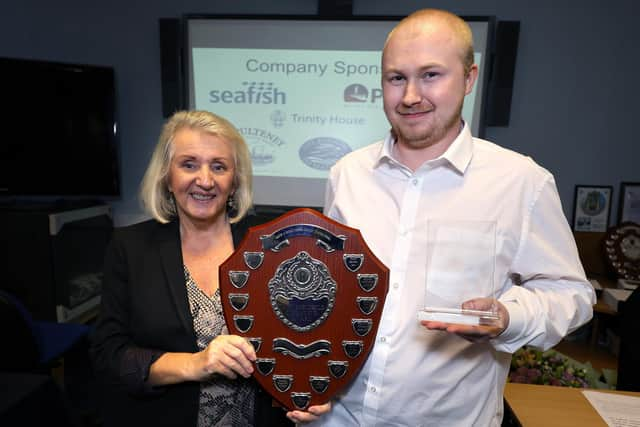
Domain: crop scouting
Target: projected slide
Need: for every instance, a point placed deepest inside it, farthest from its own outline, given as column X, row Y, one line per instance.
column 302, row 91
column 299, row 110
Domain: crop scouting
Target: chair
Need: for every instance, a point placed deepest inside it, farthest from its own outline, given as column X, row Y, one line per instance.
column 30, row 345
column 629, row 356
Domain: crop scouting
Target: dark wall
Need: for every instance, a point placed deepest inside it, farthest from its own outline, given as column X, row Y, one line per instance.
column 574, row 100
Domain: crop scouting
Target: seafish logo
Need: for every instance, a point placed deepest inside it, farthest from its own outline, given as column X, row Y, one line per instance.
column 251, row 93
column 359, row 93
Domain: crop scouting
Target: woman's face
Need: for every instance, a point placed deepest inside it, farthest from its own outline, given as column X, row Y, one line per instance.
column 201, row 175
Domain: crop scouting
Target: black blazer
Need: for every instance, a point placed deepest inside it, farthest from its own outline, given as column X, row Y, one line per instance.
column 144, row 313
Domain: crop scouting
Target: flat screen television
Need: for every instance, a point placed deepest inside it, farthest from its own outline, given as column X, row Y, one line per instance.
column 59, row 130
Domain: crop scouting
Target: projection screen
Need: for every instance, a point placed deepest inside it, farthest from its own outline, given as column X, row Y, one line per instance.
column 302, row 91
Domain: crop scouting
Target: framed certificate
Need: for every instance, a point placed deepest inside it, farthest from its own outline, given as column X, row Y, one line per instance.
column 629, row 209
column 592, row 207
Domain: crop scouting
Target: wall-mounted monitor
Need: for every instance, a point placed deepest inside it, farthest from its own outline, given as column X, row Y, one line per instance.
column 59, row 134
column 303, row 91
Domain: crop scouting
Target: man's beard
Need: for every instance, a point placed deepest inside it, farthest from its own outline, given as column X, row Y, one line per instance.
column 419, row 138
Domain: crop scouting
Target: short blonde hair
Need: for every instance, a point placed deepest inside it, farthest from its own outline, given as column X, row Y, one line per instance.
column 458, row 25
column 156, row 198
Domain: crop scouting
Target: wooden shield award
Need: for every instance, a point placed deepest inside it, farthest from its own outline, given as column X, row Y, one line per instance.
column 308, row 293
column 622, row 249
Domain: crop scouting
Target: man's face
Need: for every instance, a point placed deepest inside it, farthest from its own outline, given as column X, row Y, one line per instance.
column 424, row 85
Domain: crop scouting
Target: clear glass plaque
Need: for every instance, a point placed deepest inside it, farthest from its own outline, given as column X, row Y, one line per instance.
column 460, row 267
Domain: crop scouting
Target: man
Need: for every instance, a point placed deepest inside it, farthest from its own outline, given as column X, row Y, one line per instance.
column 430, row 168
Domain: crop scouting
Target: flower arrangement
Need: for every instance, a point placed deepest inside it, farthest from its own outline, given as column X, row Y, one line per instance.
column 533, row 366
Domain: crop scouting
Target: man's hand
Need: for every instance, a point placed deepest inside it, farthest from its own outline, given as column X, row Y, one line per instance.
column 311, row 414
column 475, row 333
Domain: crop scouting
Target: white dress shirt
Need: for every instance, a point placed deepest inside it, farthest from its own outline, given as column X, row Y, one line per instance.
column 417, row 377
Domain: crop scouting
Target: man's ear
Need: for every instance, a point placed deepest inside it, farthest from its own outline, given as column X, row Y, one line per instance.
column 470, row 79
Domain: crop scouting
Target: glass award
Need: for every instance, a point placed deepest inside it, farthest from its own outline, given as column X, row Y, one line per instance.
column 460, row 266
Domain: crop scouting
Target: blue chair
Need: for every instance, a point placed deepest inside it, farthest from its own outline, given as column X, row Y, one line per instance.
column 30, row 345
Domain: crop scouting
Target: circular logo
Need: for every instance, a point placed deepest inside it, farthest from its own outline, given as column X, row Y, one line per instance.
column 323, row 152
column 356, row 93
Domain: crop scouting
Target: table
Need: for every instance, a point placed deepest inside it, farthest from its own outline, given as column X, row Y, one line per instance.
column 550, row 406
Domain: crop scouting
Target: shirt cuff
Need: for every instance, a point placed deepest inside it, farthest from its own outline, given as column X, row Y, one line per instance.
column 516, row 322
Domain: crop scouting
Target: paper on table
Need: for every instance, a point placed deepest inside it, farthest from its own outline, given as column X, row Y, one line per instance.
column 617, row 410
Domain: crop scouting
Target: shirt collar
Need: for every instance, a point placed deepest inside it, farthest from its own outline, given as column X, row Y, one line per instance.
column 458, row 155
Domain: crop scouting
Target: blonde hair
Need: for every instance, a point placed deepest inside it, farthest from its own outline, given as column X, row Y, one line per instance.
column 156, row 198
column 459, row 27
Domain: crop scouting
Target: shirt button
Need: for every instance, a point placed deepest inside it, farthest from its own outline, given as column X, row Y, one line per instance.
column 383, row 339
column 373, row 389
column 396, row 286
column 414, row 181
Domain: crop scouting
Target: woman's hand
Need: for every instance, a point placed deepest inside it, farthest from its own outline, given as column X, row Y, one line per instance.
column 228, row 355
column 311, row 414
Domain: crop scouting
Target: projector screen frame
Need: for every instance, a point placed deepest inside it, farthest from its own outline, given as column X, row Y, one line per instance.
column 311, row 186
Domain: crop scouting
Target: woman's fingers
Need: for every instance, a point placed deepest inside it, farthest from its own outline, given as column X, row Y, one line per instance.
column 229, row 355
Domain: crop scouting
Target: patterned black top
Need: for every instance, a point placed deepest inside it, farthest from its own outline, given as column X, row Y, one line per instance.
column 223, row 402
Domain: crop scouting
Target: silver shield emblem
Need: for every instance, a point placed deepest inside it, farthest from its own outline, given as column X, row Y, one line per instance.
column 337, row 368
column 239, row 301
column 243, row 323
column 300, row 400
column 265, row 365
column 352, row 348
column 367, row 282
column 238, row 278
column 253, row 259
column 282, row 383
column 361, row 326
column 353, row 262
column 319, row 384
column 302, row 292
column 367, row 304
column 256, row 342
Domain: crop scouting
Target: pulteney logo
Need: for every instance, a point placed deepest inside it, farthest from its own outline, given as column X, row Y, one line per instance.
column 359, row 93
column 251, row 93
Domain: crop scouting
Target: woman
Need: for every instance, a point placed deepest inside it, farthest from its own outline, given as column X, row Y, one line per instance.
column 161, row 341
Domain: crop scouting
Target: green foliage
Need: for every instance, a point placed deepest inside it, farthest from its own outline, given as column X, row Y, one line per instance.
column 533, row 366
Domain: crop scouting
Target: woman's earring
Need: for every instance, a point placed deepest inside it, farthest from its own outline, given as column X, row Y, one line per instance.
column 232, row 205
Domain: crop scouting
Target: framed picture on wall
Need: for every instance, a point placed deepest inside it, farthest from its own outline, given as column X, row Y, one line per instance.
column 592, row 207
column 629, row 209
